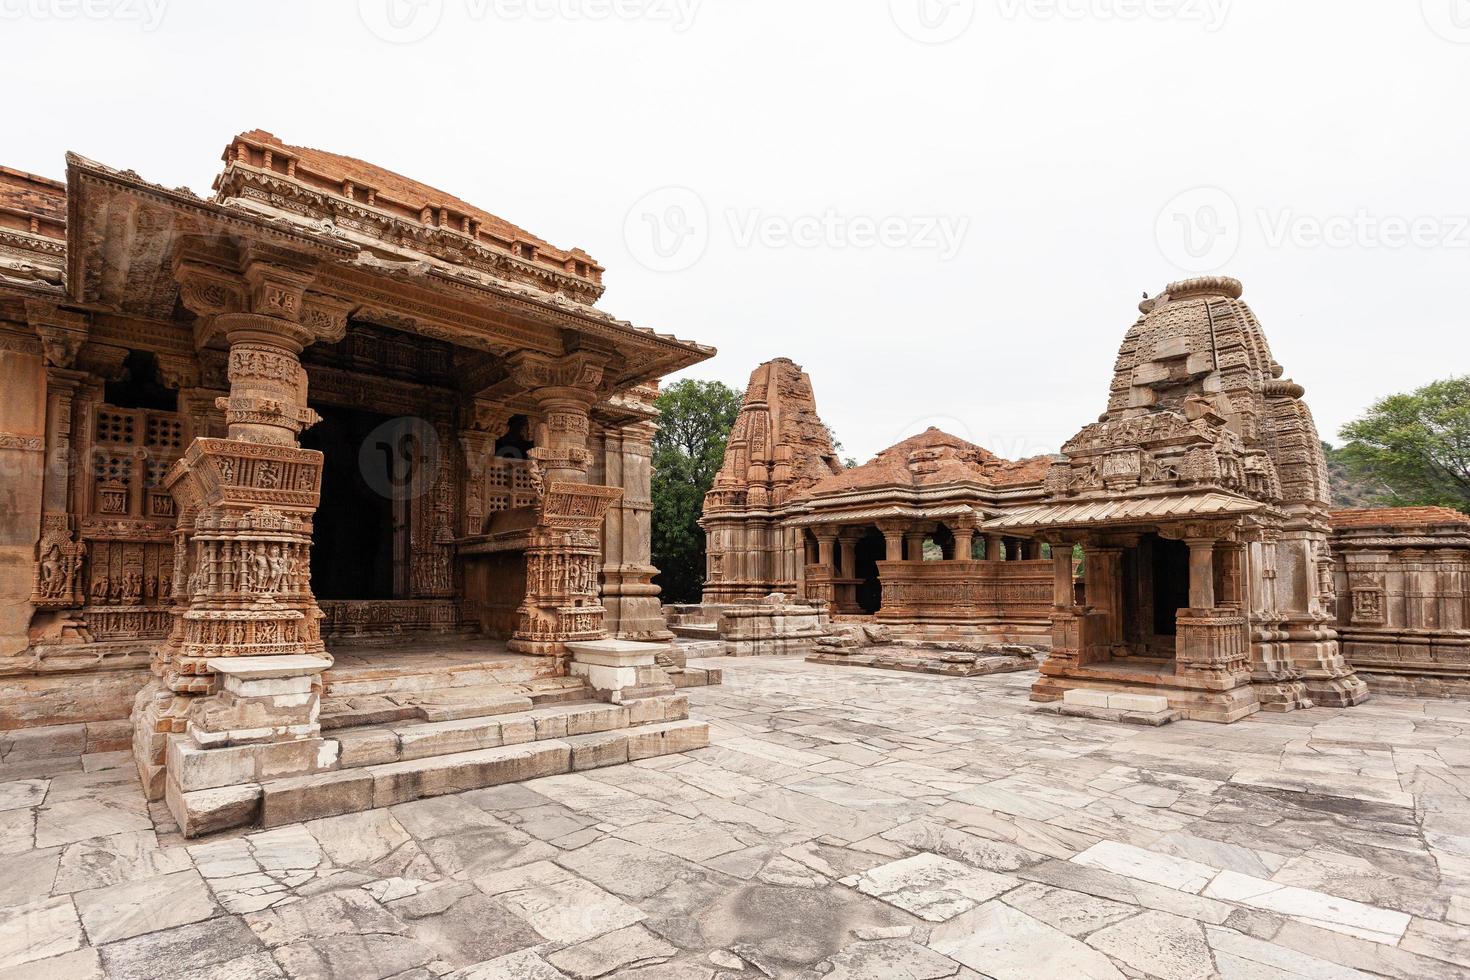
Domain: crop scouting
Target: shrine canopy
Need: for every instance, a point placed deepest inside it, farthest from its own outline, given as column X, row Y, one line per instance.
column 930, row 476
column 370, row 246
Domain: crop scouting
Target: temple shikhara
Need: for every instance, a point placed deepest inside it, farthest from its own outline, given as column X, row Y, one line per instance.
column 331, row 491
column 265, row 452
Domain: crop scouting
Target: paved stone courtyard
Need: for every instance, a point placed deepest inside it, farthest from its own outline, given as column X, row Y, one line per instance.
column 844, row 824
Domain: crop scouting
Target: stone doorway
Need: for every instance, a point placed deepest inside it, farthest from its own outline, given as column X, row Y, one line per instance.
column 360, row 533
column 870, row 549
column 1156, row 587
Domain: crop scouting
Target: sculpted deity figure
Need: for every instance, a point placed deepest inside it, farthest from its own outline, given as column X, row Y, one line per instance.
column 260, row 571
column 53, row 576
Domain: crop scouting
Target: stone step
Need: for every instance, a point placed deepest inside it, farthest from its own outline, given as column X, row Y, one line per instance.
column 296, row 799
column 700, row 649
column 695, row 631
column 406, row 742
column 448, row 703
column 696, row 677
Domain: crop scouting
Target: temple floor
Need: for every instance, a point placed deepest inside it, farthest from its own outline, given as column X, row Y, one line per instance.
column 843, row 824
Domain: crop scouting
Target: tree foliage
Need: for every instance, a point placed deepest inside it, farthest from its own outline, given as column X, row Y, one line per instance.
column 1416, row 445
column 696, row 418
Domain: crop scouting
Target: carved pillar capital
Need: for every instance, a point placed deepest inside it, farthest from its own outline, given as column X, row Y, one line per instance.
column 62, row 332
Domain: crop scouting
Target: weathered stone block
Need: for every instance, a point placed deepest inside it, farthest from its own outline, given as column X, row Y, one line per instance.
column 211, row 810
column 1085, row 698
column 327, row 794
column 596, row 751
column 194, row 768
column 400, row 782
column 653, row 710
column 651, row 741
column 448, row 738
column 367, row 747
column 1144, row 703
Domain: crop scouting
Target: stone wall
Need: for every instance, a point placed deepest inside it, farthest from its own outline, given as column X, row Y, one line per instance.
column 1403, row 587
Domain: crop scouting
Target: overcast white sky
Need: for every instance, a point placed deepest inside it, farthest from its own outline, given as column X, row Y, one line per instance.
column 991, row 207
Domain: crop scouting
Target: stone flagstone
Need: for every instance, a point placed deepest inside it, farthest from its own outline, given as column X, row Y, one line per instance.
column 932, row 887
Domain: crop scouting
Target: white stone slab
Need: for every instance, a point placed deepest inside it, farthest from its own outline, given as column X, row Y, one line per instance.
column 1082, row 697
column 1136, row 862
column 260, row 668
column 932, row 887
column 1147, row 703
column 1314, row 908
column 616, row 653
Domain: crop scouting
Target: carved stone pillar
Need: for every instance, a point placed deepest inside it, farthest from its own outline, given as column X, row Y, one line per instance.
column 826, row 548
column 964, row 540
column 915, row 544
column 628, row 591
column 893, row 541
column 486, row 424
column 243, row 549
column 564, row 557
column 995, row 548
column 564, row 390
column 850, row 538
column 1201, row 573
column 562, row 604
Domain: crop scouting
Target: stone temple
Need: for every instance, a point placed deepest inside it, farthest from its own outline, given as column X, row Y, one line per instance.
column 331, row 647
column 1181, row 550
column 332, row 491
column 302, row 473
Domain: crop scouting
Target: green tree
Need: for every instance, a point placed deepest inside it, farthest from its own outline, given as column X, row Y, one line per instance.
column 687, row 452
column 1416, row 445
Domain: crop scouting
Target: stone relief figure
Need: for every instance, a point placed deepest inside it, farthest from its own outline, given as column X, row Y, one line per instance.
column 132, row 589
column 260, row 571
column 280, row 568
column 53, row 575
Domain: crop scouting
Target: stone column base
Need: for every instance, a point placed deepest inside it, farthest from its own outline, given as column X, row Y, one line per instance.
column 620, row 671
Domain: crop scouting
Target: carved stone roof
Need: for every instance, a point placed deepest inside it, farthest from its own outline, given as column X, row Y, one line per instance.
column 933, row 458
column 32, row 204
column 1397, row 517
column 1123, row 511
column 1197, row 402
column 362, row 182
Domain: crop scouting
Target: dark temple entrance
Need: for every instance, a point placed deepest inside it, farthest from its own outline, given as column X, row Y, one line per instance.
column 1170, row 581
column 358, row 524
column 871, row 549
